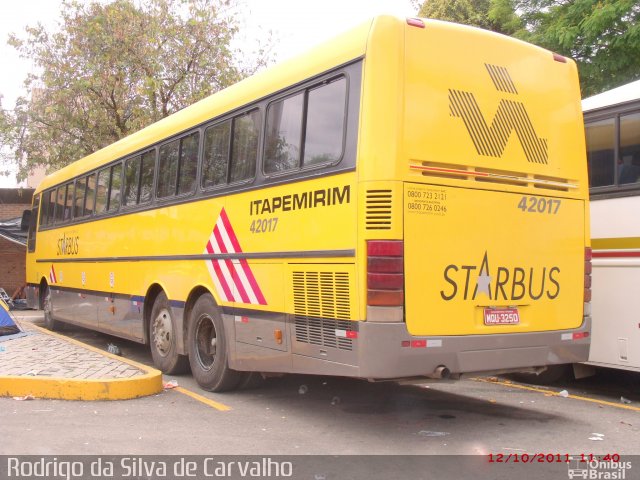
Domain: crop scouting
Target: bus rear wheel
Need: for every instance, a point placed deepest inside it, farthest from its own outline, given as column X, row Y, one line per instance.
column 47, row 308
column 208, row 349
column 162, row 338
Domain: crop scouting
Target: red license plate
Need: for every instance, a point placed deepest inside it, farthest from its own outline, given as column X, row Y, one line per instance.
column 501, row 316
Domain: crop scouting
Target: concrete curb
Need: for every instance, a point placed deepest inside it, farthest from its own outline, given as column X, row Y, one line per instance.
column 149, row 383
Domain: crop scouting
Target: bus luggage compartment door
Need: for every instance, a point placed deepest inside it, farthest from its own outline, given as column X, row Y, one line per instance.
column 485, row 262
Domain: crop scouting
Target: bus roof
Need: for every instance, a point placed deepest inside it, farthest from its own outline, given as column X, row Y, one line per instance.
column 342, row 49
column 623, row 94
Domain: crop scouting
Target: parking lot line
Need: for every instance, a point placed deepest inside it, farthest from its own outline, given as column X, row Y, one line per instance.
column 556, row 394
column 218, row 406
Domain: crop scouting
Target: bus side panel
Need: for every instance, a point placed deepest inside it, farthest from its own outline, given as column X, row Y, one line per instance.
column 616, row 275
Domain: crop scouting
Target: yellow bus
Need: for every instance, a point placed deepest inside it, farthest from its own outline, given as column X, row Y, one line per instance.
column 407, row 200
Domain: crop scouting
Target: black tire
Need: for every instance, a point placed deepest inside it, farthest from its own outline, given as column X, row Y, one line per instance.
column 208, row 349
column 162, row 338
column 47, row 308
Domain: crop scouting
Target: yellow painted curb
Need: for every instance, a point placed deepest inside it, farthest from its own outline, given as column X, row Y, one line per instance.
column 149, row 383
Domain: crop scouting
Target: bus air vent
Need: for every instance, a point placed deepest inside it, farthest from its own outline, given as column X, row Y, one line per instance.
column 321, row 306
column 491, row 175
column 322, row 332
column 379, row 210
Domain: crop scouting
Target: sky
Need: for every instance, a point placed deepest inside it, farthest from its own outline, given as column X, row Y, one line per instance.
column 296, row 26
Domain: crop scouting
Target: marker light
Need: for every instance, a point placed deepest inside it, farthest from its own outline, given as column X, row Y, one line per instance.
column 415, row 22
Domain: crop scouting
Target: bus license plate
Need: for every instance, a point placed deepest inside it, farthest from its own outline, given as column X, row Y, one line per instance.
column 501, row 316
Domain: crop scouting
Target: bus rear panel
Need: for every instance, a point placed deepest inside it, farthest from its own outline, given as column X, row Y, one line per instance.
column 490, row 208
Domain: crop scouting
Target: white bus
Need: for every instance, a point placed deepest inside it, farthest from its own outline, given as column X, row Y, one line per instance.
column 612, row 125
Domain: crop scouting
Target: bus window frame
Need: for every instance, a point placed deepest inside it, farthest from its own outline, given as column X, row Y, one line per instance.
column 305, row 88
column 156, row 177
column 614, row 112
column 351, row 71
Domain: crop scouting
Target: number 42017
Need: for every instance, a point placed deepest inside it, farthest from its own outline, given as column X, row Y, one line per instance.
column 264, row 225
column 539, row 205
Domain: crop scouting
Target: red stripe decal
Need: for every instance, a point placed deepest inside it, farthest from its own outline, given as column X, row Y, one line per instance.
column 230, row 233
column 220, row 275
column 243, row 263
column 616, row 254
column 230, row 266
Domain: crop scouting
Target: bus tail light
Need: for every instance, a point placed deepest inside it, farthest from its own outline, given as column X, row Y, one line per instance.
column 385, row 280
column 587, row 277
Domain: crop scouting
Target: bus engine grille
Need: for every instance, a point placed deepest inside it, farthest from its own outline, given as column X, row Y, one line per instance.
column 321, row 307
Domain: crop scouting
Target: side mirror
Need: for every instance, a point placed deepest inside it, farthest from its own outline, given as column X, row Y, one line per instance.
column 26, row 218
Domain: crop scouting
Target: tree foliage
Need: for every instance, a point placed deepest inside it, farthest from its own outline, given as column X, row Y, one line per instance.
column 6, row 139
column 603, row 36
column 469, row 12
column 113, row 68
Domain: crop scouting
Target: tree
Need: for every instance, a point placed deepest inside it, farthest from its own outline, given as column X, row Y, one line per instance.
column 113, row 68
column 469, row 12
column 6, row 139
column 603, row 36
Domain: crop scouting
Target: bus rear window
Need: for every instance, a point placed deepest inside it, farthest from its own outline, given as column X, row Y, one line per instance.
column 307, row 128
column 326, row 112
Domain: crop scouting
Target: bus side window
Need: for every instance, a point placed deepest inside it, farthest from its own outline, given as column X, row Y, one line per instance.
column 188, row 165
column 44, row 211
column 61, row 196
column 244, row 150
column 216, row 154
column 326, row 115
column 81, row 189
column 284, row 134
column 115, row 183
column 147, row 167
column 168, row 169
column 33, row 221
column 600, row 152
column 68, row 204
column 629, row 162
column 90, row 199
column 102, row 190
column 131, row 181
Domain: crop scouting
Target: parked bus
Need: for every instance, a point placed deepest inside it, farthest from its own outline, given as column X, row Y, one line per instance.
column 612, row 125
column 407, row 200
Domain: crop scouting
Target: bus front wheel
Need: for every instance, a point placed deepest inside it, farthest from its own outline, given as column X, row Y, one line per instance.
column 208, row 350
column 164, row 348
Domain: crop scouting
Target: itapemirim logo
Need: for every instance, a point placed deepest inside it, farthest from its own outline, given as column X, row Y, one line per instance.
column 511, row 115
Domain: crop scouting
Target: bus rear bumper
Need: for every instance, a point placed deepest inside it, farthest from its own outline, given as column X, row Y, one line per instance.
column 387, row 350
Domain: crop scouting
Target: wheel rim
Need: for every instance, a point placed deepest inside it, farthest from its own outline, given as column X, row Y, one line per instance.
column 163, row 332
column 206, row 342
